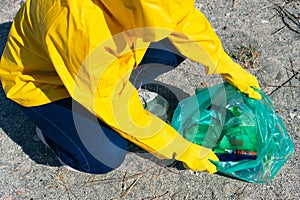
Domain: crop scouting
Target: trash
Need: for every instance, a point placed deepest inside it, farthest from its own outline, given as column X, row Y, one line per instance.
column 154, row 103
column 293, row 115
column 247, row 135
column 235, row 155
column 263, row 21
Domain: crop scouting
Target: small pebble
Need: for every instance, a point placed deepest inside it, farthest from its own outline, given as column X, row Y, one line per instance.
column 264, row 21
column 293, row 115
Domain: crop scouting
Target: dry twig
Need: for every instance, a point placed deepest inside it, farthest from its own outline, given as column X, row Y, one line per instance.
column 174, row 195
column 239, row 192
column 127, row 190
column 292, row 86
column 64, row 184
column 290, row 20
column 90, row 179
column 156, row 197
column 258, row 9
column 235, row 3
column 287, row 81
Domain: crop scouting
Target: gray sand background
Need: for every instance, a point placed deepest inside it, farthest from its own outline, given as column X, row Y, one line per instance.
column 28, row 170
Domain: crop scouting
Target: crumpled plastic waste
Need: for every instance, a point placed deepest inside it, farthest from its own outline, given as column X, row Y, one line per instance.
column 248, row 137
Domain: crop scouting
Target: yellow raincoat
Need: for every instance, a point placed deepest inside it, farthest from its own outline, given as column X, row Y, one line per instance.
column 86, row 49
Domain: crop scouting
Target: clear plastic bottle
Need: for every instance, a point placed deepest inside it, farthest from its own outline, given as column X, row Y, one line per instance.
column 154, row 103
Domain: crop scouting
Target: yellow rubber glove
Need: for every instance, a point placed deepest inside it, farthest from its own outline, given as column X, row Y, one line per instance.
column 200, row 162
column 238, row 77
column 196, row 39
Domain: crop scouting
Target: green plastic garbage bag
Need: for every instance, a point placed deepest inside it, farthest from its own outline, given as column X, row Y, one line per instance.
column 247, row 135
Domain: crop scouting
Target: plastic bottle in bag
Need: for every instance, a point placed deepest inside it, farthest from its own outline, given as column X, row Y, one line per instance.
column 154, row 103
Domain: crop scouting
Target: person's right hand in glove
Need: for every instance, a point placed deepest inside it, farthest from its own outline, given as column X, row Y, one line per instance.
column 198, row 158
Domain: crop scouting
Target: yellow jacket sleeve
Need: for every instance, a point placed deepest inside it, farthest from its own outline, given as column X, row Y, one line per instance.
column 26, row 72
column 95, row 69
column 195, row 38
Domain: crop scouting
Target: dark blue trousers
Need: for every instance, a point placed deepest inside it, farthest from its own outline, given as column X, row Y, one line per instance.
column 77, row 137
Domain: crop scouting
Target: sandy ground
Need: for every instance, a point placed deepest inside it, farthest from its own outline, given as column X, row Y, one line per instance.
column 28, row 170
